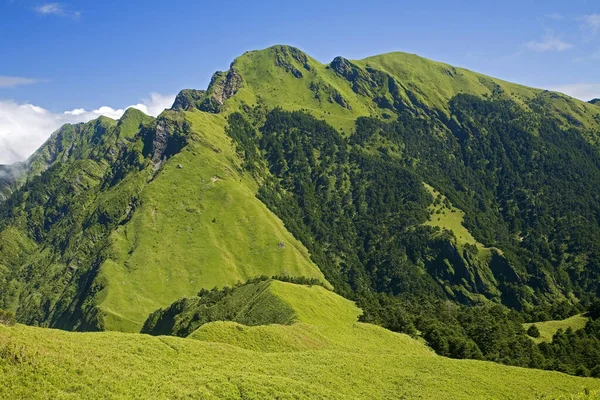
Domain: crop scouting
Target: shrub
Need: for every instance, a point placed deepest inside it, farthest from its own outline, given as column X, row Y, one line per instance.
column 533, row 331
column 7, row 318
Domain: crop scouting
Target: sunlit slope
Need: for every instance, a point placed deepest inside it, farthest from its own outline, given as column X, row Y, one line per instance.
column 342, row 90
column 324, row 354
column 128, row 216
column 315, row 319
column 549, row 328
column 199, row 225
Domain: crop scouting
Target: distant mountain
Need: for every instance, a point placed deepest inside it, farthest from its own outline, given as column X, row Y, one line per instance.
column 393, row 177
column 595, row 101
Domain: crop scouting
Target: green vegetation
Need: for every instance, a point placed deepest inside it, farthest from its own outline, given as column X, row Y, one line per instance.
column 133, row 220
column 547, row 329
column 7, row 318
column 533, row 331
column 325, row 354
column 446, row 217
column 362, row 210
column 450, row 206
column 198, row 226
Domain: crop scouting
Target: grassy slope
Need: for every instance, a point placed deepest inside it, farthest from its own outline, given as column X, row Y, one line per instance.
column 175, row 225
column 449, row 218
column 549, row 328
column 199, row 226
column 328, row 355
column 435, row 83
column 432, row 83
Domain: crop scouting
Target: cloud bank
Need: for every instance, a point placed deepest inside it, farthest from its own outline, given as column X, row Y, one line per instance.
column 25, row 127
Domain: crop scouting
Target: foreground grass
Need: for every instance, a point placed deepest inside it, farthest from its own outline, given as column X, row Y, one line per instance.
column 37, row 363
column 549, row 328
column 324, row 354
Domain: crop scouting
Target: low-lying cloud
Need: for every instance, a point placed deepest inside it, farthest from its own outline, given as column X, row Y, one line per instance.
column 25, row 127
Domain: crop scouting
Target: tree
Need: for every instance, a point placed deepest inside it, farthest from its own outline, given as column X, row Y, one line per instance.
column 533, row 331
column 7, row 318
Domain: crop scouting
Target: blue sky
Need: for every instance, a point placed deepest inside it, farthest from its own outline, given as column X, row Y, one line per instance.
column 82, row 55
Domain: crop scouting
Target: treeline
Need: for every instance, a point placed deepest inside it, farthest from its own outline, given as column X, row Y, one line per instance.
column 492, row 332
column 226, row 304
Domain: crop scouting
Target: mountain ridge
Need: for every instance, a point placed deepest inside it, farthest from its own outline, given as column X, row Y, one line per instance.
column 382, row 87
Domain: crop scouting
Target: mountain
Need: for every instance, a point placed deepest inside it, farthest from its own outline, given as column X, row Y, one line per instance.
column 131, row 215
column 441, row 200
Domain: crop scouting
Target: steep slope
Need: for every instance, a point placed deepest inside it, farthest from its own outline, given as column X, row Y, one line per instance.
column 198, row 225
column 127, row 216
column 441, row 116
column 328, row 355
column 379, row 86
column 116, row 219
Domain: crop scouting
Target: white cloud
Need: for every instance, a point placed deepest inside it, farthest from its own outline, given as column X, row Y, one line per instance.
column 549, row 43
column 12, row 81
column 582, row 91
column 25, row 127
column 56, row 9
column 555, row 16
column 592, row 22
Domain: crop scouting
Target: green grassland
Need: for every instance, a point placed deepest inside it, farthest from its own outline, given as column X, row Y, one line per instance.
column 200, row 225
column 446, row 216
column 270, row 78
column 195, row 220
column 325, row 354
column 549, row 328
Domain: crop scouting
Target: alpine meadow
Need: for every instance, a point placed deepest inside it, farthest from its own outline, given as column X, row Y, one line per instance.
column 390, row 227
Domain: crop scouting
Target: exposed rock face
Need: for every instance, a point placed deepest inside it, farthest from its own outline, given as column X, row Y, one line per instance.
column 285, row 56
column 385, row 91
column 326, row 92
column 223, row 85
column 166, row 139
column 188, row 99
column 344, row 68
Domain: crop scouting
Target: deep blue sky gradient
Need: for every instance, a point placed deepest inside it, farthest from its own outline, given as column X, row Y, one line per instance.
column 116, row 52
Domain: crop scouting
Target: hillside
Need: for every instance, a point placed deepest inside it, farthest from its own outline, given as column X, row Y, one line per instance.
column 145, row 226
column 549, row 328
column 442, row 201
column 339, row 358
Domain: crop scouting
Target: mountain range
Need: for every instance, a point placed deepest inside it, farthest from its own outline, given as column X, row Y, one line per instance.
column 405, row 185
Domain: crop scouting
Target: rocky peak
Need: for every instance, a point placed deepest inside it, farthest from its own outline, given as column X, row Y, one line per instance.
column 343, row 67
column 286, row 57
column 188, row 99
column 223, row 85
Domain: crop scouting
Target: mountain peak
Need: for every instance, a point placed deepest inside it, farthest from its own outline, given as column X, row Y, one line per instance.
column 188, row 99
